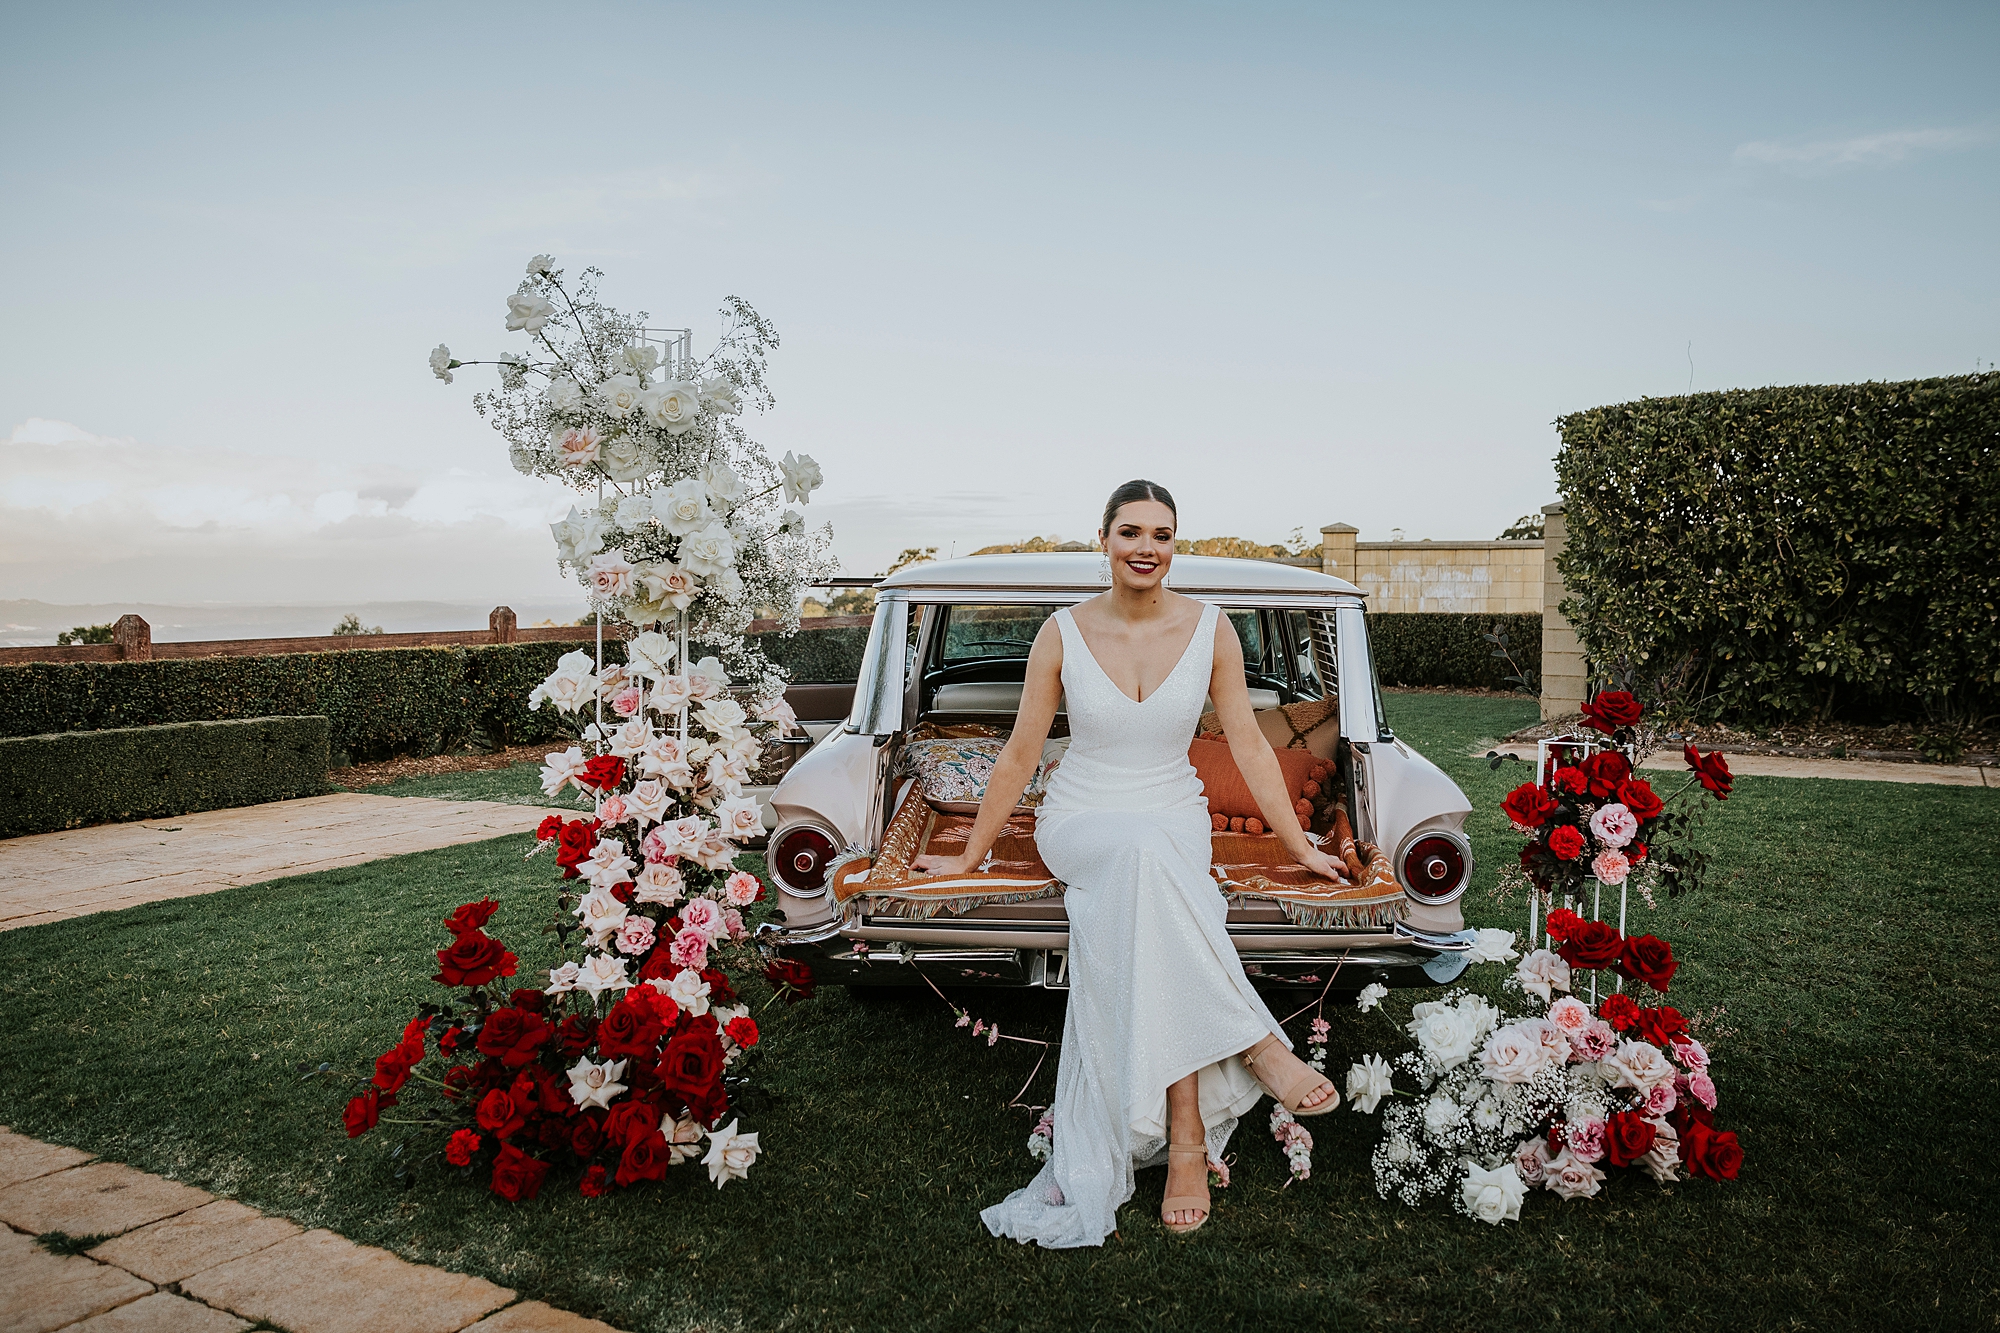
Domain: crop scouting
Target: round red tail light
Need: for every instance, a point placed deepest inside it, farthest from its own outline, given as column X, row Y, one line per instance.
column 1434, row 867
column 799, row 859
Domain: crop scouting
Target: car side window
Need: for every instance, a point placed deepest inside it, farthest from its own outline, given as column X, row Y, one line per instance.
column 1311, row 635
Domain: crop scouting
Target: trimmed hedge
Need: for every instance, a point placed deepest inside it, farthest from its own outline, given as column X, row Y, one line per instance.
column 1446, row 648
column 817, row 656
column 1814, row 550
column 94, row 777
column 378, row 702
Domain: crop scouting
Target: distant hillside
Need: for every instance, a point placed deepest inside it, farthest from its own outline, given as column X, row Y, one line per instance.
column 31, row 623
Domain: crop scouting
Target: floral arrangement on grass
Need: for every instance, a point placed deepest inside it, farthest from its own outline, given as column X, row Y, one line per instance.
column 1596, row 824
column 683, row 514
column 1550, row 1097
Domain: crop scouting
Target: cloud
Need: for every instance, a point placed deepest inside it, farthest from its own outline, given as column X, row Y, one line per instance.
column 101, row 517
column 1888, row 149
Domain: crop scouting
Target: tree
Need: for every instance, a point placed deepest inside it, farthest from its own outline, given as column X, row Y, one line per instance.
column 1526, row 528
column 350, row 624
column 85, row 634
column 912, row 555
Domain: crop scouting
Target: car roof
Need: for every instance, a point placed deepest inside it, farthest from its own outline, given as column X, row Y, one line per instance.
column 1080, row 571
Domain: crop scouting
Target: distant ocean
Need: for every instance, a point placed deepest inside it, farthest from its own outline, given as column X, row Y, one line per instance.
column 32, row 623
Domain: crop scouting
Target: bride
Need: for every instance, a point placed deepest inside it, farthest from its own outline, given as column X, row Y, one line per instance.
column 1165, row 1044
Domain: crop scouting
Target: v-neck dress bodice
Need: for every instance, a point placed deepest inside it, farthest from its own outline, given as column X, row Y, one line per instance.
column 1157, row 991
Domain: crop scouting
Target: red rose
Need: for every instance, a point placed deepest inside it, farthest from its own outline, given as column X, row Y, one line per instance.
column 512, row 1036
column 1636, row 795
column 533, row 1001
column 1563, row 923
column 604, row 772
column 691, row 1069
column 645, row 1158
column 549, row 828
column 578, row 840
column 1687, row 1116
column 1606, row 771
column 1660, row 1026
column 1712, row 769
column 658, row 965
column 1565, row 843
column 517, row 1176
column 473, row 959
column 575, row 1034
column 1647, row 958
column 742, row 1030
column 456, row 1080
column 1611, row 710
column 1619, row 1011
column 587, row 1136
column 631, row 1121
column 791, row 978
column 1628, row 1136
column 719, row 989
column 625, row 891
column 536, row 1086
column 1528, row 806
column 500, row 1114
column 365, row 1111
column 629, row 1029
column 1716, row 1153
column 463, row 1144
column 471, row 916
column 392, row 1068
column 1569, row 779
column 453, row 1037
column 1594, row 944
column 592, row 1185
column 1635, row 852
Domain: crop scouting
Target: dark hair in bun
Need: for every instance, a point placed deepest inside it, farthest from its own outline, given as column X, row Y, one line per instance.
column 1136, row 490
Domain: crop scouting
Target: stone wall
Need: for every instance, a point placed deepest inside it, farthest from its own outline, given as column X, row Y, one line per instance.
column 1470, row 578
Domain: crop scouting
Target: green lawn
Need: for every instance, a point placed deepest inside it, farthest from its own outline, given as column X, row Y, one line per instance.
column 520, row 784
column 1849, row 930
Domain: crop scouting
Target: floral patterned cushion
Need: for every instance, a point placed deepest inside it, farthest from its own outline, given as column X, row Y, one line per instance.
column 952, row 772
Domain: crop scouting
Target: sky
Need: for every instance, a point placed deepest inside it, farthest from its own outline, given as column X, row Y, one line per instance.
column 1301, row 264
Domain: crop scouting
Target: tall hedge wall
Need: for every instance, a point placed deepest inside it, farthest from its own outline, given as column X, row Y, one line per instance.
column 1814, row 550
column 377, row 702
column 1446, row 648
column 817, row 656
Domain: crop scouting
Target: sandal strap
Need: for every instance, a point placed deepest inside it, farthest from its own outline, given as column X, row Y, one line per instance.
column 1293, row 1092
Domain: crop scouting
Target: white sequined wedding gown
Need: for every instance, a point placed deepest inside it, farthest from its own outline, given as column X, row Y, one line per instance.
column 1156, row 989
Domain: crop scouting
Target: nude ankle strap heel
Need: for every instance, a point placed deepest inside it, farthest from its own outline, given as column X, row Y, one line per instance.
column 1175, row 1203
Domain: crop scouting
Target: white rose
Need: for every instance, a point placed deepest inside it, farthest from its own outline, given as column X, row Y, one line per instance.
column 1531, row 1159
column 682, row 508
column 441, row 362
column 708, row 679
column 1555, row 1042
column 1481, row 1016
column 648, row 802
column 689, row 991
column 674, row 407
column 528, row 312
column 802, row 477
column 1542, row 973
column 1662, row 1160
column 1443, row 1033
column 730, row 1155
column 659, row 883
column 607, row 866
column 1397, row 1149
column 667, row 584
column 1512, row 1055
column 562, row 980
column 564, row 393
column 569, row 686
column 792, row 522
column 729, row 583
column 595, row 1085
column 1368, row 1082
column 641, row 358
column 1492, row 946
column 602, row 972
column 723, row 484
column 619, row 394
column 671, row 695
column 560, row 768
column 722, row 715
column 1494, row 1196
column 709, row 551
column 541, row 264
column 719, row 395
column 609, row 575
column 651, row 655
column 624, row 458
column 629, row 739
column 1639, row 1064
column 740, row 818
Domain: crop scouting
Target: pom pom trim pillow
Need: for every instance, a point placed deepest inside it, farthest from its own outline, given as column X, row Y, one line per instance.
column 1228, row 794
column 952, row 772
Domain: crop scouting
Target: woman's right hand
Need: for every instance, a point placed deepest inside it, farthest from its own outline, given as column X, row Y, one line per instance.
column 942, row 865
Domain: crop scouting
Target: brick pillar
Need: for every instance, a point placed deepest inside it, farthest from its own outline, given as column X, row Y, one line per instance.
column 1336, row 550
column 503, row 624
column 1563, row 679
column 134, row 638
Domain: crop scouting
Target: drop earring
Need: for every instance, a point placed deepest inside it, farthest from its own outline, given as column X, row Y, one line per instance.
column 1104, row 567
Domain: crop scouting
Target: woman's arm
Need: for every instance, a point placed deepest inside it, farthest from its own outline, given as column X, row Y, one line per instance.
column 1253, row 756
column 1018, row 760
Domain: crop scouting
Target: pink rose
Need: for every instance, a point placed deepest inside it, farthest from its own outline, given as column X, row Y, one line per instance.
column 1690, row 1053
column 1555, row 1043
column 626, row 701
column 654, row 846
column 613, row 810
column 1531, row 1159
column 703, row 915
column 610, row 575
column 1610, row 867
column 1585, row 1140
column 1614, row 825
column 1595, row 1041
column 742, row 888
column 690, row 949
column 732, row 921
column 1660, row 1100
column 1571, row 1015
column 1572, row 1178
column 1702, row 1086
column 636, row 935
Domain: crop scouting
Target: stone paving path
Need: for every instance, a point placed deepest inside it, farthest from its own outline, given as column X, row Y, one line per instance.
column 52, row 876
column 169, row 1258
column 1785, row 766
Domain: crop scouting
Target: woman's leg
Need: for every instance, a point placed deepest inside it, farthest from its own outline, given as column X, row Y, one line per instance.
column 1287, row 1068
column 1184, row 1127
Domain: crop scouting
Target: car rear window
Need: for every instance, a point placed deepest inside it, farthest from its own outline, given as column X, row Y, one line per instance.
column 990, row 633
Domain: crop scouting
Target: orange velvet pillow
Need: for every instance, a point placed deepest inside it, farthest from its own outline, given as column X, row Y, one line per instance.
column 1228, row 794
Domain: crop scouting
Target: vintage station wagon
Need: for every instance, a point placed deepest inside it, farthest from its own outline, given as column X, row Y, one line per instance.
column 942, row 674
